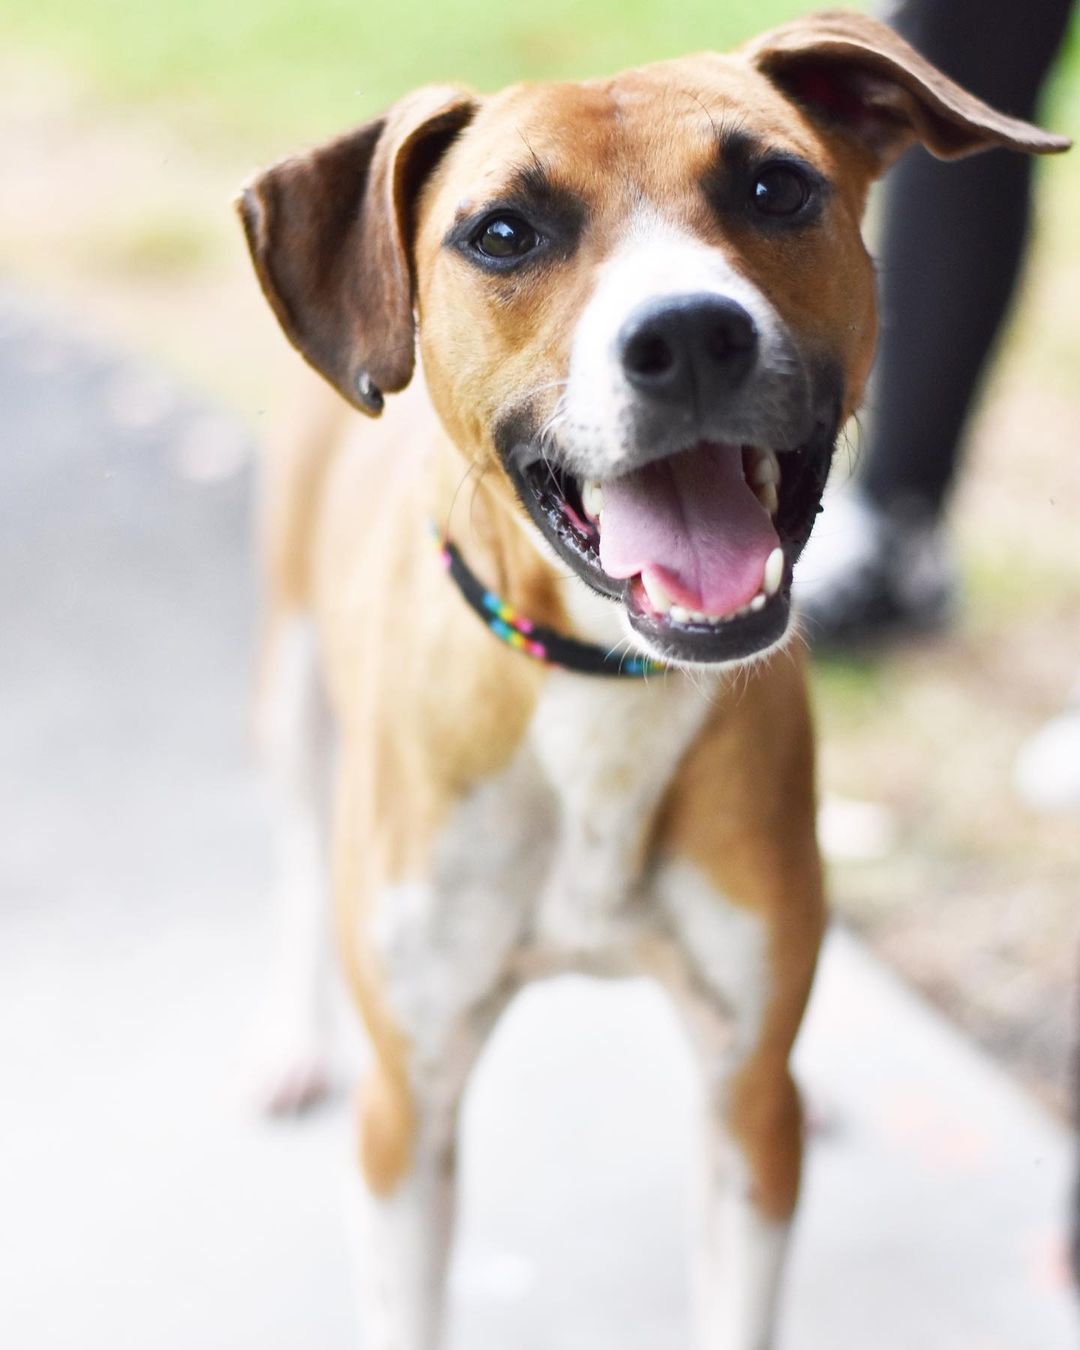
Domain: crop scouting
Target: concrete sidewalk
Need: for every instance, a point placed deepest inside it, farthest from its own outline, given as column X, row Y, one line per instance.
column 141, row 1201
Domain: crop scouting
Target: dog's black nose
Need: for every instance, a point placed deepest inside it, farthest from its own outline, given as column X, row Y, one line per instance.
column 685, row 347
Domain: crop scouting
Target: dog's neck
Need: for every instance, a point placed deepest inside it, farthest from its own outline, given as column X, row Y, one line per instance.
column 489, row 545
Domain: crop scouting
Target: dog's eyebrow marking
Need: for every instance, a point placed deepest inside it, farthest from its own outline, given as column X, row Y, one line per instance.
column 534, row 183
column 740, row 153
column 531, row 190
column 532, row 180
column 741, row 148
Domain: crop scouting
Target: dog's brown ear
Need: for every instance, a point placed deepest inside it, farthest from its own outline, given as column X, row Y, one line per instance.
column 870, row 84
column 330, row 235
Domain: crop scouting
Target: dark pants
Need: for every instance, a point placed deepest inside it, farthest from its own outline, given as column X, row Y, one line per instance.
column 952, row 244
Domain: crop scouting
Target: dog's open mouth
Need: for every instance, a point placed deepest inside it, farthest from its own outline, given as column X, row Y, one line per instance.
column 699, row 546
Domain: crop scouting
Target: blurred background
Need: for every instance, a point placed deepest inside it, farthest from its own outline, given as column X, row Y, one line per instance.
column 139, row 369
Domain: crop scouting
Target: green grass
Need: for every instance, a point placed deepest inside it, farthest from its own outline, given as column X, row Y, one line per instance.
column 252, row 68
column 246, row 70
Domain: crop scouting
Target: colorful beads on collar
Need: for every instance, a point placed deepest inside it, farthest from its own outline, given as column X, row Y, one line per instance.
column 533, row 639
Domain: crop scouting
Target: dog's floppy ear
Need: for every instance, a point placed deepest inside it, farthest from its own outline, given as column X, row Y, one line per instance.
column 864, row 79
column 330, row 235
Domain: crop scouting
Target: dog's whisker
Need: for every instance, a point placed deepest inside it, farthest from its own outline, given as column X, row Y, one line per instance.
column 469, row 471
column 551, row 384
column 472, row 500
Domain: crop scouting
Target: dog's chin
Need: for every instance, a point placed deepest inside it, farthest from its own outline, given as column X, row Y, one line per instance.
column 556, row 501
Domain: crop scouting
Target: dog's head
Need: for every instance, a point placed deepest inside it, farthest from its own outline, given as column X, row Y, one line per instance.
column 643, row 301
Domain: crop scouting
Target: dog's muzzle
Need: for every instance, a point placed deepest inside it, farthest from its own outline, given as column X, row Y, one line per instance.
column 697, row 527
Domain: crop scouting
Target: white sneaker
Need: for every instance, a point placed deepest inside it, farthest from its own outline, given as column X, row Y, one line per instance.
column 1046, row 773
column 869, row 576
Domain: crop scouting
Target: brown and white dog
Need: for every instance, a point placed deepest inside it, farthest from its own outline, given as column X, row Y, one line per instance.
column 643, row 310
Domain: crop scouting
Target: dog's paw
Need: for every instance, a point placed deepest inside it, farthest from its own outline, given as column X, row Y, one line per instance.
column 295, row 1083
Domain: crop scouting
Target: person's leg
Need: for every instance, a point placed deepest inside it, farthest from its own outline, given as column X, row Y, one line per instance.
column 953, row 239
column 952, row 244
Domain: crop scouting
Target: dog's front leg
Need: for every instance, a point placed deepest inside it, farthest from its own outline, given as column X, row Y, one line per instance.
column 742, row 995
column 749, row 1180
column 431, row 962
column 405, row 1196
column 438, row 978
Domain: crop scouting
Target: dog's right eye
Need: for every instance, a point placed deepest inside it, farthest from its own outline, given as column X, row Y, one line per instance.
column 781, row 190
column 505, row 236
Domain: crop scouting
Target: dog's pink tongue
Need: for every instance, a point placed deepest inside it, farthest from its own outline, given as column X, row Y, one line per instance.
column 692, row 520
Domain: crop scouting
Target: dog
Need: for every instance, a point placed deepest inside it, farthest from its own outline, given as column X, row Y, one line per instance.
column 547, row 591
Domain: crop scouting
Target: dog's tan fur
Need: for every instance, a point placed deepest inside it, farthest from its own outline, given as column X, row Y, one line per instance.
column 429, row 706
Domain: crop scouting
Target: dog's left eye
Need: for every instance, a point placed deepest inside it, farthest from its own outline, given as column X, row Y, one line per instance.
column 780, row 190
column 505, row 236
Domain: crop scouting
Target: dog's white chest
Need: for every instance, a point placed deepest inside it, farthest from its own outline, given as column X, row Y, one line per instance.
column 541, row 869
column 604, row 752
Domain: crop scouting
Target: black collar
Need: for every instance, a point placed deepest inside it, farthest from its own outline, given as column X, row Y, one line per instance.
column 533, row 639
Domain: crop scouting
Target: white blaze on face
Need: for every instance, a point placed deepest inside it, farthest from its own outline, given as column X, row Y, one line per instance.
column 656, row 260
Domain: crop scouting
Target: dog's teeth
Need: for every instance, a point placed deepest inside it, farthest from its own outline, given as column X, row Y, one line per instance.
column 757, row 603
column 592, row 498
column 714, row 619
column 658, row 597
column 679, row 614
column 774, row 571
column 768, row 497
column 764, row 468
column 697, row 615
